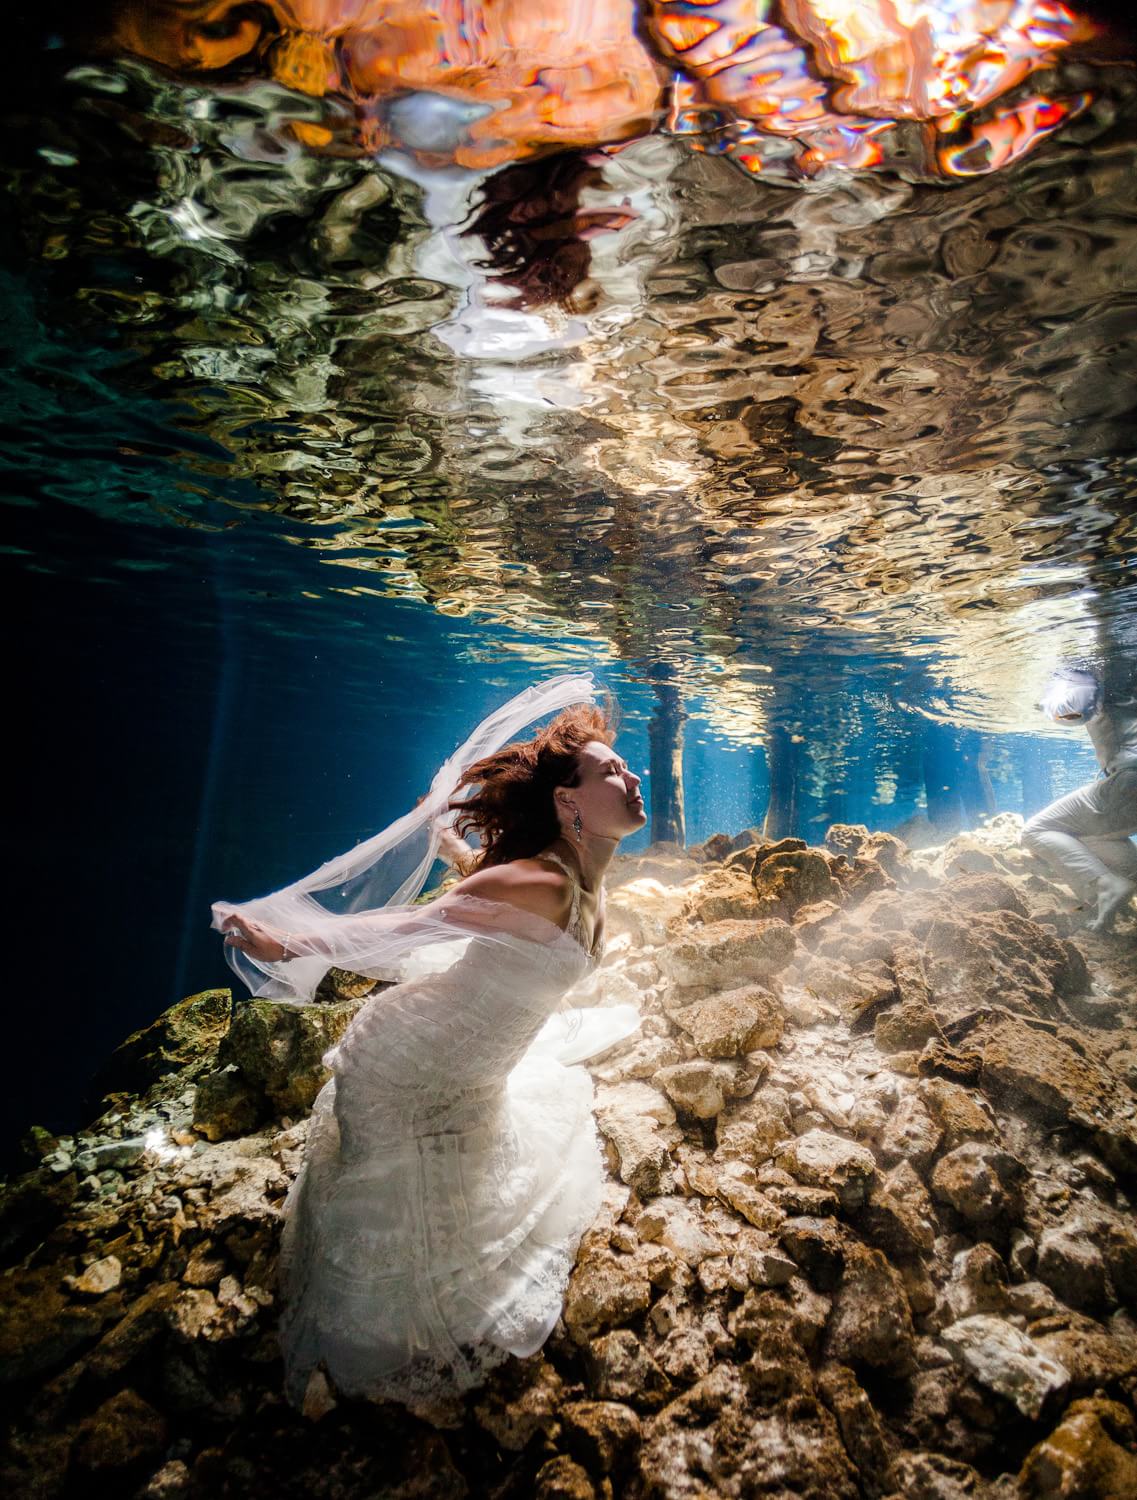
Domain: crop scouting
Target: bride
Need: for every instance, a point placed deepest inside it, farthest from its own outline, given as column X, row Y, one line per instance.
column 452, row 1163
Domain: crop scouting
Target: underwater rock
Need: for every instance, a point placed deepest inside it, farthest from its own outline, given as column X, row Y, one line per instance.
column 790, row 1446
column 871, row 1321
column 279, row 1047
column 226, row 1104
column 1005, row 1360
column 982, row 1183
column 733, row 1022
column 1039, row 1073
column 861, row 1430
column 910, row 1134
column 775, row 1249
column 118, row 1439
column 1092, row 1452
column 184, row 1040
column 959, row 1114
column 819, row 1159
column 726, row 954
column 1071, row 1265
column 623, row 1370
column 783, row 882
column 603, row 1292
column 603, row 1435
column 640, row 1124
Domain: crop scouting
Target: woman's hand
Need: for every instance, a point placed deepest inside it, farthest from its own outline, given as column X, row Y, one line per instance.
column 257, row 940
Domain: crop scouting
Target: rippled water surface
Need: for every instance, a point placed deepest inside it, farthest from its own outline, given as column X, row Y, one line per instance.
column 302, row 439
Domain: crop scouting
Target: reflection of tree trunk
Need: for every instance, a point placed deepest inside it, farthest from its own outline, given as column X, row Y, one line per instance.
column 665, row 739
column 1034, row 769
column 940, row 780
column 782, row 758
column 976, row 791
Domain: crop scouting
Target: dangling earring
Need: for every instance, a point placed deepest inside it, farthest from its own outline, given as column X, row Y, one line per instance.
column 577, row 826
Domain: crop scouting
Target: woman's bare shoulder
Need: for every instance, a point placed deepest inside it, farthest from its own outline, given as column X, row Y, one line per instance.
column 527, row 883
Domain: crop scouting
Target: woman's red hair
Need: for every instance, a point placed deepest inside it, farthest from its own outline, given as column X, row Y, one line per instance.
column 513, row 810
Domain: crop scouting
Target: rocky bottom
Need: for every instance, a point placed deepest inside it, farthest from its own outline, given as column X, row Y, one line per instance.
column 867, row 1233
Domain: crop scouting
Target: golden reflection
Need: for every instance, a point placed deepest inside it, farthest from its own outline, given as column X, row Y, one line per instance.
column 794, row 89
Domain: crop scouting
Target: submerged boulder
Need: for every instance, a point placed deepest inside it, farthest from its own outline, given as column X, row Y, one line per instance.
column 728, row 953
column 786, row 881
column 183, row 1040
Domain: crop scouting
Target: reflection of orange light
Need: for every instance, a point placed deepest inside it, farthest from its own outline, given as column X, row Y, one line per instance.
column 526, row 77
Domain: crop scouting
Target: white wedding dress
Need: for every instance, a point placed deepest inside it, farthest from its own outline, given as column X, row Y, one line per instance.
column 452, row 1167
column 452, row 1162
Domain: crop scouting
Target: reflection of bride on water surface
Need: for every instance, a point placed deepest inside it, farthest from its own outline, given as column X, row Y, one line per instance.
column 452, row 1163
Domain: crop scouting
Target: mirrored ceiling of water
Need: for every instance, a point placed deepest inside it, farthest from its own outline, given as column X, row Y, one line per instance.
column 742, row 345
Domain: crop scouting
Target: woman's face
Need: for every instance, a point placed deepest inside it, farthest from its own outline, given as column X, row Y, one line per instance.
column 607, row 794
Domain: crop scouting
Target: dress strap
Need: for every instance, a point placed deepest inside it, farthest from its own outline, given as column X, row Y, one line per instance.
column 571, row 873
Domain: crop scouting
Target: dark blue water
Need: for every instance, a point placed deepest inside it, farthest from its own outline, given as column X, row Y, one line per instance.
column 229, row 667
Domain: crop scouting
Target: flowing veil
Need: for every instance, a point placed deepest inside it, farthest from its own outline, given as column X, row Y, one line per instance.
column 382, row 876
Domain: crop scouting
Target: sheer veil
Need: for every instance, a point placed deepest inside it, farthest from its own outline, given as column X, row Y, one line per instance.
column 355, row 910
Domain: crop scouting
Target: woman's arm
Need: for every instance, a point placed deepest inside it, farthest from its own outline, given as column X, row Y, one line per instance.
column 456, row 852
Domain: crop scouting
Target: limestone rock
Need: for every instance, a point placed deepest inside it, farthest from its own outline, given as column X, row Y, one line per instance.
column 784, row 882
column 623, row 1370
column 1093, row 1358
column 818, row 1246
column 725, row 954
column 1037, row 1073
column 736, row 1183
column 996, row 953
column 226, row 1104
column 906, row 1028
column 871, row 1321
column 563, row 1479
column 960, row 1114
column 725, row 895
column 733, row 1022
column 910, row 1134
column 979, row 892
column 100, row 1277
column 183, row 1040
column 602, row 1435
column 788, row 1447
column 860, row 1427
column 123, row 1434
column 514, row 1417
column 279, row 1047
column 699, row 1088
column 1090, row 1453
column 819, row 1159
column 978, row 1283
column 1072, row 1266
column 677, row 1224
column 934, row 1476
column 898, row 1217
column 603, row 1292
column 982, row 1183
column 755, row 1129
column 640, row 1124
column 1005, row 1360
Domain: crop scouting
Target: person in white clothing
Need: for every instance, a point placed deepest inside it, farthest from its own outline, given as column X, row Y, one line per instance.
column 1085, row 837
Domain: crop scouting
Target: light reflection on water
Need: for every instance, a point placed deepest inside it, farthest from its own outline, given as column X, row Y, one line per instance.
column 720, row 424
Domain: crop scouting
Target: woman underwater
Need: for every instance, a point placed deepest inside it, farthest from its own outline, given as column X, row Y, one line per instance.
column 452, row 1162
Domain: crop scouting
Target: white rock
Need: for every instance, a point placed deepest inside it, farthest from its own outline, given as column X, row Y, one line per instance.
column 1006, row 1361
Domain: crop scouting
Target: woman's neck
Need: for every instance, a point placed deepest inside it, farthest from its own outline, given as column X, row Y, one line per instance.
column 591, row 856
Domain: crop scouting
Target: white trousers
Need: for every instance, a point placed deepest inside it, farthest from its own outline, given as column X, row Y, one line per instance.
column 1084, row 836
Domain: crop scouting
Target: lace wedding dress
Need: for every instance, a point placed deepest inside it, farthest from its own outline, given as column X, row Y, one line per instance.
column 452, row 1162
column 452, row 1167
